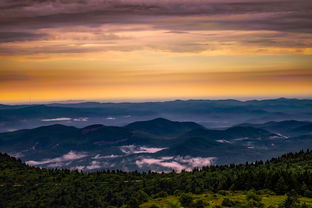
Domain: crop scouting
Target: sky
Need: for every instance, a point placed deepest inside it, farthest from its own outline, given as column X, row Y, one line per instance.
column 154, row 49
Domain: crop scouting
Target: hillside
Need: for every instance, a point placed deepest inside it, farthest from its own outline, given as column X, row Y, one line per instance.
column 157, row 145
column 25, row 186
column 163, row 127
column 286, row 128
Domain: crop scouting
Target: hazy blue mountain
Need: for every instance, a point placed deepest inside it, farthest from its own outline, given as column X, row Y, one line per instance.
column 250, row 132
column 163, row 127
column 305, row 129
column 287, row 128
column 157, row 144
column 209, row 113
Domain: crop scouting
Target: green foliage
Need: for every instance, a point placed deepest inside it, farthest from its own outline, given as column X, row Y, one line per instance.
column 254, row 200
column 186, row 200
column 141, row 196
column 228, row 202
column 199, row 204
column 253, row 203
column 25, row 186
column 177, row 193
column 174, row 204
column 307, row 193
column 133, row 203
column 154, row 206
column 223, row 192
column 281, row 186
column 292, row 201
column 253, row 196
column 160, row 194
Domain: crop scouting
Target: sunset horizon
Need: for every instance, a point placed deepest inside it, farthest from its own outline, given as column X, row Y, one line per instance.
column 155, row 103
column 136, row 49
column 30, row 101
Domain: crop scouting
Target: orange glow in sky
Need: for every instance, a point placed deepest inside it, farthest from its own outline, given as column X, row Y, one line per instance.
column 103, row 50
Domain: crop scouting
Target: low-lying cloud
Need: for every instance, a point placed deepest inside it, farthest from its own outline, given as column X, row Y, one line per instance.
column 55, row 119
column 98, row 156
column 177, row 163
column 132, row 149
column 92, row 166
column 58, row 161
column 82, row 119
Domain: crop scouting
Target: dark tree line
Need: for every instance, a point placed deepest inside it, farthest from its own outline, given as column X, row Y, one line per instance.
column 25, row 186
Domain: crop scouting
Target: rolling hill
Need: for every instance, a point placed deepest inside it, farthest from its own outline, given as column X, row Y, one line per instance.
column 158, row 144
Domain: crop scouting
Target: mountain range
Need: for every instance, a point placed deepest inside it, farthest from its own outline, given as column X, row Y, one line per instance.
column 208, row 113
column 158, row 144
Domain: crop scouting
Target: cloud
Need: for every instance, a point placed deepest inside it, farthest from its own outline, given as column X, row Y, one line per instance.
column 223, row 141
column 19, row 36
column 59, row 164
column 98, row 156
column 132, row 149
column 196, row 161
column 152, row 161
column 81, row 119
column 79, row 167
column 176, row 15
column 177, row 163
column 55, row 119
column 94, row 165
column 13, row 76
column 97, row 12
column 17, row 154
column 178, row 26
column 58, row 161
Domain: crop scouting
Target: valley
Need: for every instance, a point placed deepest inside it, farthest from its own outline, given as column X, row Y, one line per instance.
column 157, row 145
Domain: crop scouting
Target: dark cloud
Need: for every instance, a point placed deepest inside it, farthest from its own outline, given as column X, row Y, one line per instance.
column 9, row 76
column 286, row 15
column 19, row 36
column 23, row 20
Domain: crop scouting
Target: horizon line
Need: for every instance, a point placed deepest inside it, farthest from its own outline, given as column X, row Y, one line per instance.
column 121, row 100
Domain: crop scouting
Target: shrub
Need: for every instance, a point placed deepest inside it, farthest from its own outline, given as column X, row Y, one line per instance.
column 222, row 192
column 141, row 196
column 160, row 194
column 199, row 204
column 253, row 196
column 186, row 199
column 307, row 193
column 177, row 193
column 255, row 204
column 174, row 204
column 154, row 206
column 227, row 202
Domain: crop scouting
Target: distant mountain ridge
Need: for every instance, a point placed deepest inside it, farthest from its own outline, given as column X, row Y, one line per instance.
column 158, row 144
column 163, row 127
column 288, row 127
column 209, row 113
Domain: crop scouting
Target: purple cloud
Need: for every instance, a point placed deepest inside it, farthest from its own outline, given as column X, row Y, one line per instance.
column 274, row 15
column 177, row 163
column 58, row 161
column 104, row 20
